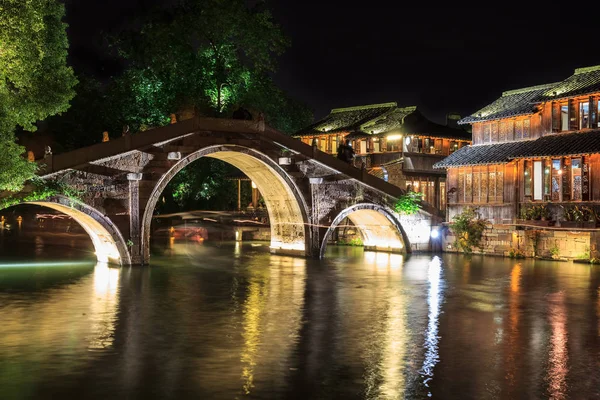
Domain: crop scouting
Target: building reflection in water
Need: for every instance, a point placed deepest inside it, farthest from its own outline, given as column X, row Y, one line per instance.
column 434, row 300
column 513, row 329
column 558, row 354
column 393, row 383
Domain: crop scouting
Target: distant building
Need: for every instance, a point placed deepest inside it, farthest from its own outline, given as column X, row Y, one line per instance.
column 399, row 145
column 535, row 157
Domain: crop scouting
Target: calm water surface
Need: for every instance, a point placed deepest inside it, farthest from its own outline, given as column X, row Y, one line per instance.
column 234, row 322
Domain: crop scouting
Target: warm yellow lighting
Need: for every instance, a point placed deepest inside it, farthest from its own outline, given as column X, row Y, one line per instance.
column 253, row 185
column 287, row 246
column 394, row 137
column 106, row 251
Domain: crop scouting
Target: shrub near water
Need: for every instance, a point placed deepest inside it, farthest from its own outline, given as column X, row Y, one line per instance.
column 468, row 227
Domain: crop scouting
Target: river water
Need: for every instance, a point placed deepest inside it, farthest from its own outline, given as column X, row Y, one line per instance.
column 234, row 322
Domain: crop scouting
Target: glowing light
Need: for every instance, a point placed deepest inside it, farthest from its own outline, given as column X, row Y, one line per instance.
column 42, row 265
column 435, row 233
column 547, row 170
column 515, row 277
column 394, row 137
column 253, row 185
column 560, row 171
column 106, row 251
column 407, row 140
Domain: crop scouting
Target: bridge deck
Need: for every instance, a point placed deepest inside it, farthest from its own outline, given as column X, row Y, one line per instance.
column 84, row 158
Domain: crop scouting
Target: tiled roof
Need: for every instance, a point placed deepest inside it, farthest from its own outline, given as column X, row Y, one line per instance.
column 347, row 119
column 583, row 81
column 416, row 123
column 379, row 119
column 483, row 154
column 511, row 104
column 557, row 145
column 388, row 122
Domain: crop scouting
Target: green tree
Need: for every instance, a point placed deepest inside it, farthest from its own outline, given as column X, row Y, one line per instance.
column 204, row 185
column 212, row 55
column 35, row 81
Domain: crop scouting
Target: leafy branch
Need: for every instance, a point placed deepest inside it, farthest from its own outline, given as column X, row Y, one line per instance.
column 42, row 190
column 409, row 203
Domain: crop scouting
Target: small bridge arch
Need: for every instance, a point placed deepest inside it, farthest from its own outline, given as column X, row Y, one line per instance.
column 108, row 242
column 285, row 204
column 378, row 224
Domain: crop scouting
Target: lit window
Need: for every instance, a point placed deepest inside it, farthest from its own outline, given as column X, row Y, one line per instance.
column 556, row 177
column 537, row 180
column 527, row 178
column 576, row 178
column 584, row 114
column 564, row 117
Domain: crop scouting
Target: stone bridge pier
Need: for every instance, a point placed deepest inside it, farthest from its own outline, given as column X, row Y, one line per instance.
column 307, row 193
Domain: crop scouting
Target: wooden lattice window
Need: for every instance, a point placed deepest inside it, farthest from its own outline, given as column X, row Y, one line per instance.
column 487, row 132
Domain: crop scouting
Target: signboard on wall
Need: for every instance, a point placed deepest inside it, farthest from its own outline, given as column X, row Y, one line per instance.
column 566, row 181
column 585, row 179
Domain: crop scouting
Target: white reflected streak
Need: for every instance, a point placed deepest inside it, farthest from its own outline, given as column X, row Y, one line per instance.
column 432, row 338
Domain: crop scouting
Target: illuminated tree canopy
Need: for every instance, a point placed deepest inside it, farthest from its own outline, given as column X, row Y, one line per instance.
column 212, row 55
column 35, row 81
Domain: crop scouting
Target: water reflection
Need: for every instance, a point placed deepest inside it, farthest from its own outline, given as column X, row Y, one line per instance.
column 235, row 322
column 434, row 299
column 558, row 356
column 103, row 306
column 66, row 317
column 271, row 317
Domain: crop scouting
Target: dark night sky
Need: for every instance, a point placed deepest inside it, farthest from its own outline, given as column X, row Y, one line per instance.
column 440, row 58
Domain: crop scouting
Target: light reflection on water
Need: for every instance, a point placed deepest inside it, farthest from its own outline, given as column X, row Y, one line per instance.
column 434, row 299
column 235, row 322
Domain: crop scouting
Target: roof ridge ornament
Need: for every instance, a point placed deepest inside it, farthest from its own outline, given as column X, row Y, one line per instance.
column 585, row 70
column 365, row 107
column 529, row 89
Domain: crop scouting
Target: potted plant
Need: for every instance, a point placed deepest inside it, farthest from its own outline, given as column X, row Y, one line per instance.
column 572, row 217
column 524, row 215
column 545, row 214
column 588, row 217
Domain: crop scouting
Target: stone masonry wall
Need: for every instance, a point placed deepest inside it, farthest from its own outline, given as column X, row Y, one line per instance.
column 500, row 240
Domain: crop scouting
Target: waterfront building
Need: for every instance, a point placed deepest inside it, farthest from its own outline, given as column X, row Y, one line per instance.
column 534, row 165
column 398, row 144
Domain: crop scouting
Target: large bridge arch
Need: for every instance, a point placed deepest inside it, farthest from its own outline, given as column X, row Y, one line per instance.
column 285, row 204
column 108, row 242
column 378, row 224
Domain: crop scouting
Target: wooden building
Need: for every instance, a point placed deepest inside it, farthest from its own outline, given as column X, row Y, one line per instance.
column 400, row 145
column 535, row 157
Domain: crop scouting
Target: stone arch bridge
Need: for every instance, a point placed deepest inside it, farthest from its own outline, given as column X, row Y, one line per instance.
column 307, row 192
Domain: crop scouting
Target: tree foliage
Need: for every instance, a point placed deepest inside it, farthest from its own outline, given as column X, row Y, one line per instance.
column 468, row 227
column 409, row 203
column 35, row 81
column 213, row 56
column 203, row 185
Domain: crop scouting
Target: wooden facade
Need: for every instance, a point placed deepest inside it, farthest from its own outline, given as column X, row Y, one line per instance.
column 399, row 145
column 535, row 147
